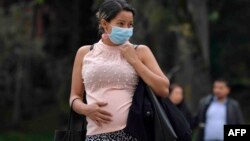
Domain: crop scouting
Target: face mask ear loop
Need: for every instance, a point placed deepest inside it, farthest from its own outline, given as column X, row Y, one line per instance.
column 111, row 29
column 104, row 30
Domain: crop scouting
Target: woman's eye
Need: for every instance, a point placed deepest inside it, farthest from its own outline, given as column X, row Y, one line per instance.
column 120, row 24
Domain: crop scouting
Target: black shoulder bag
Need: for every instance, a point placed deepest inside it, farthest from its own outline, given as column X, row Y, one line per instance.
column 71, row 134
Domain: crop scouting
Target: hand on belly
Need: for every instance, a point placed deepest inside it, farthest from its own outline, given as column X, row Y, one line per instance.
column 97, row 113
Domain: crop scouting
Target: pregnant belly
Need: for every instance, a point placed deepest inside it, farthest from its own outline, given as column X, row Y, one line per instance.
column 119, row 103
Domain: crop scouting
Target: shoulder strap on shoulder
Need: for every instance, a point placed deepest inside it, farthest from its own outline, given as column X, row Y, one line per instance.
column 91, row 47
column 136, row 46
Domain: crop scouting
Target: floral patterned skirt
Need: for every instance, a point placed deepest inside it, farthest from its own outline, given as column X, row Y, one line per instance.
column 112, row 136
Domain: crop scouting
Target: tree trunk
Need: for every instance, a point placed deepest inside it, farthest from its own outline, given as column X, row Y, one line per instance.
column 198, row 9
column 16, row 115
column 75, row 25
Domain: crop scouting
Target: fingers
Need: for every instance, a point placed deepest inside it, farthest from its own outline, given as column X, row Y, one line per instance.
column 100, row 116
column 127, row 45
column 101, row 104
column 98, row 123
column 123, row 49
column 102, row 119
column 105, row 118
column 105, row 113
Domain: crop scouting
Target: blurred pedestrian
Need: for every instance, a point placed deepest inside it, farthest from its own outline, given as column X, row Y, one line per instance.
column 216, row 110
column 176, row 96
column 109, row 72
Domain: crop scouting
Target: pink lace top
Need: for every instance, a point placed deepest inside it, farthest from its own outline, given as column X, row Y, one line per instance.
column 108, row 77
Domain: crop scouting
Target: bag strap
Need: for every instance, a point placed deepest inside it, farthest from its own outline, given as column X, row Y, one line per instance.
column 70, row 122
column 136, row 46
column 91, row 47
column 84, row 121
column 71, row 118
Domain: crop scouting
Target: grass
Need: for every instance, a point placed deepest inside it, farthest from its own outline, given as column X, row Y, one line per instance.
column 18, row 136
column 39, row 128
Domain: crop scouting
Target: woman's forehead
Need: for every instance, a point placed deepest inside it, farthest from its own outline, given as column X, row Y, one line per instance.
column 124, row 16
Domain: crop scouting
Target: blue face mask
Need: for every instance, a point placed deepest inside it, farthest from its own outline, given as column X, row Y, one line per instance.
column 120, row 35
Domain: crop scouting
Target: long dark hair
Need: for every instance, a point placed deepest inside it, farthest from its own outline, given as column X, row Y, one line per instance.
column 110, row 8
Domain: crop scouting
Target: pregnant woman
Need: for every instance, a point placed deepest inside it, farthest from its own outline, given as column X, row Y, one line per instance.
column 109, row 74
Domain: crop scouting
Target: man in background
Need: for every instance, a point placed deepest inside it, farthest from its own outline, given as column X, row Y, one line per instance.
column 215, row 111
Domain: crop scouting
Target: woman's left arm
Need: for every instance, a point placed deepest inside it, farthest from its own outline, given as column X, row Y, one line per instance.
column 146, row 66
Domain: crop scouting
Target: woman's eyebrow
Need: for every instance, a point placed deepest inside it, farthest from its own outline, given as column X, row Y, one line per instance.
column 120, row 20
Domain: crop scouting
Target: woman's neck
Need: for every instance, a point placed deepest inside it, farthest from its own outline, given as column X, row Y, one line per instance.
column 108, row 42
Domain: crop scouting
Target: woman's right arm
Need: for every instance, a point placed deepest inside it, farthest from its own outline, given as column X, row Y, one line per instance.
column 77, row 86
column 93, row 111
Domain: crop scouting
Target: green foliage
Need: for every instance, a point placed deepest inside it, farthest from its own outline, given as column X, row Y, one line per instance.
column 214, row 16
column 230, row 47
column 230, row 44
column 39, row 1
column 36, row 70
column 20, row 55
column 16, row 33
